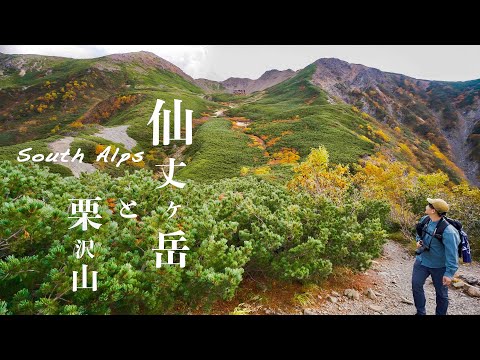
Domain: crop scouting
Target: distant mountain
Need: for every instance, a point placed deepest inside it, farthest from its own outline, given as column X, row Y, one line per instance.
column 210, row 86
column 148, row 60
column 268, row 79
column 43, row 97
column 22, row 65
column 445, row 113
column 40, row 95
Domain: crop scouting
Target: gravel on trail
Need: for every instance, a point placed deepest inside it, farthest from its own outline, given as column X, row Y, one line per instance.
column 391, row 293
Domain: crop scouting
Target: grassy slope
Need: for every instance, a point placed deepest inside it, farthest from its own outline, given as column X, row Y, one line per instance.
column 301, row 112
column 296, row 114
column 218, row 152
column 293, row 114
column 121, row 79
column 40, row 125
column 139, row 115
column 150, row 84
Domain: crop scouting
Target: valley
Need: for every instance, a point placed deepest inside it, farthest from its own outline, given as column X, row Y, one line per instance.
column 352, row 109
column 302, row 188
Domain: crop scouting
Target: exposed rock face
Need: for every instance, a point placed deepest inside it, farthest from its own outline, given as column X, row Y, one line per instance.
column 22, row 64
column 210, row 86
column 268, row 79
column 446, row 113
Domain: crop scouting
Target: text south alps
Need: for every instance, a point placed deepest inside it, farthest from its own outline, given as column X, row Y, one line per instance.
column 23, row 155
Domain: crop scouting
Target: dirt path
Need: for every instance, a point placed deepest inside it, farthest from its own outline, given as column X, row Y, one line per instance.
column 77, row 167
column 242, row 123
column 391, row 279
column 177, row 155
column 219, row 113
column 117, row 134
column 257, row 140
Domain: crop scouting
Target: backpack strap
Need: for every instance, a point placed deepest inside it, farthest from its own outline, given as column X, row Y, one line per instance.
column 455, row 223
column 442, row 225
column 423, row 226
column 426, row 220
column 437, row 232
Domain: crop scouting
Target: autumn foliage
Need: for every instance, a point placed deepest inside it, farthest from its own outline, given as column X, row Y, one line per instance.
column 284, row 156
column 381, row 177
column 319, row 179
column 109, row 107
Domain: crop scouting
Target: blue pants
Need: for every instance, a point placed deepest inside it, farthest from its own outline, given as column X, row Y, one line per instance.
column 419, row 275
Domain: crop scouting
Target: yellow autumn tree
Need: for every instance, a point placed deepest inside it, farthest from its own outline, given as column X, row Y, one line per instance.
column 285, row 156
column 436, row 151
column 434, row 185
column 465, row 206
column 391, row 180
column 317, row 177
column 244, row 170
column 99, row 148
column 76, row 124
column 381, row 135
column 263, row 170
column 383, row 178
column 405, row 149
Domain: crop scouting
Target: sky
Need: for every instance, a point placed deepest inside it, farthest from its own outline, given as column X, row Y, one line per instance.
column 219, row 62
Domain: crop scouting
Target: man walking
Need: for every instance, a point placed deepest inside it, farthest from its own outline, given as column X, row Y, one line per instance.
column 435, row 257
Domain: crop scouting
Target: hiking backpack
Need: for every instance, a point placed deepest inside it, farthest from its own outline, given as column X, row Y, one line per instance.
column 463, row 247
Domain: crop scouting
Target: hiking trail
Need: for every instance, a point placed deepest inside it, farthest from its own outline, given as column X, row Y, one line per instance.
column 390, row 291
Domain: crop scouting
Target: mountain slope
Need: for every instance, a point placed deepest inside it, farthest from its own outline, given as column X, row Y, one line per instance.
column 41, row 96
column 445, row 113
column 352, row 109
column 210, row 86
column 299, row 114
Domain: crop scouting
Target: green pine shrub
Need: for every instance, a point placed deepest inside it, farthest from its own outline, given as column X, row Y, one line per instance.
column 232, row 226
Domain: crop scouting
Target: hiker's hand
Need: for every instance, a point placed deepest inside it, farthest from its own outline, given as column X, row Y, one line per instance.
column 446, row 281
column 419, row 244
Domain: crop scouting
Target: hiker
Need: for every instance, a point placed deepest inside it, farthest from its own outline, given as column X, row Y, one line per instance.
column 438, row 258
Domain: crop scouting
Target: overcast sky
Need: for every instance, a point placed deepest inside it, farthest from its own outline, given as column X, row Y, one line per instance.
column 219, row 62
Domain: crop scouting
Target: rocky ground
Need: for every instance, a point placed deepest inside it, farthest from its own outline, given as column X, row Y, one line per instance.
column 116, row 134
column 389, row 291
column 77, row 167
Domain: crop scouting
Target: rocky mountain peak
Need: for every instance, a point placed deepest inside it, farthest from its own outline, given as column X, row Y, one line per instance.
column 268, row 79
column 336, row 70
column 148, row 59
column 275, row 73
column 395, row 98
